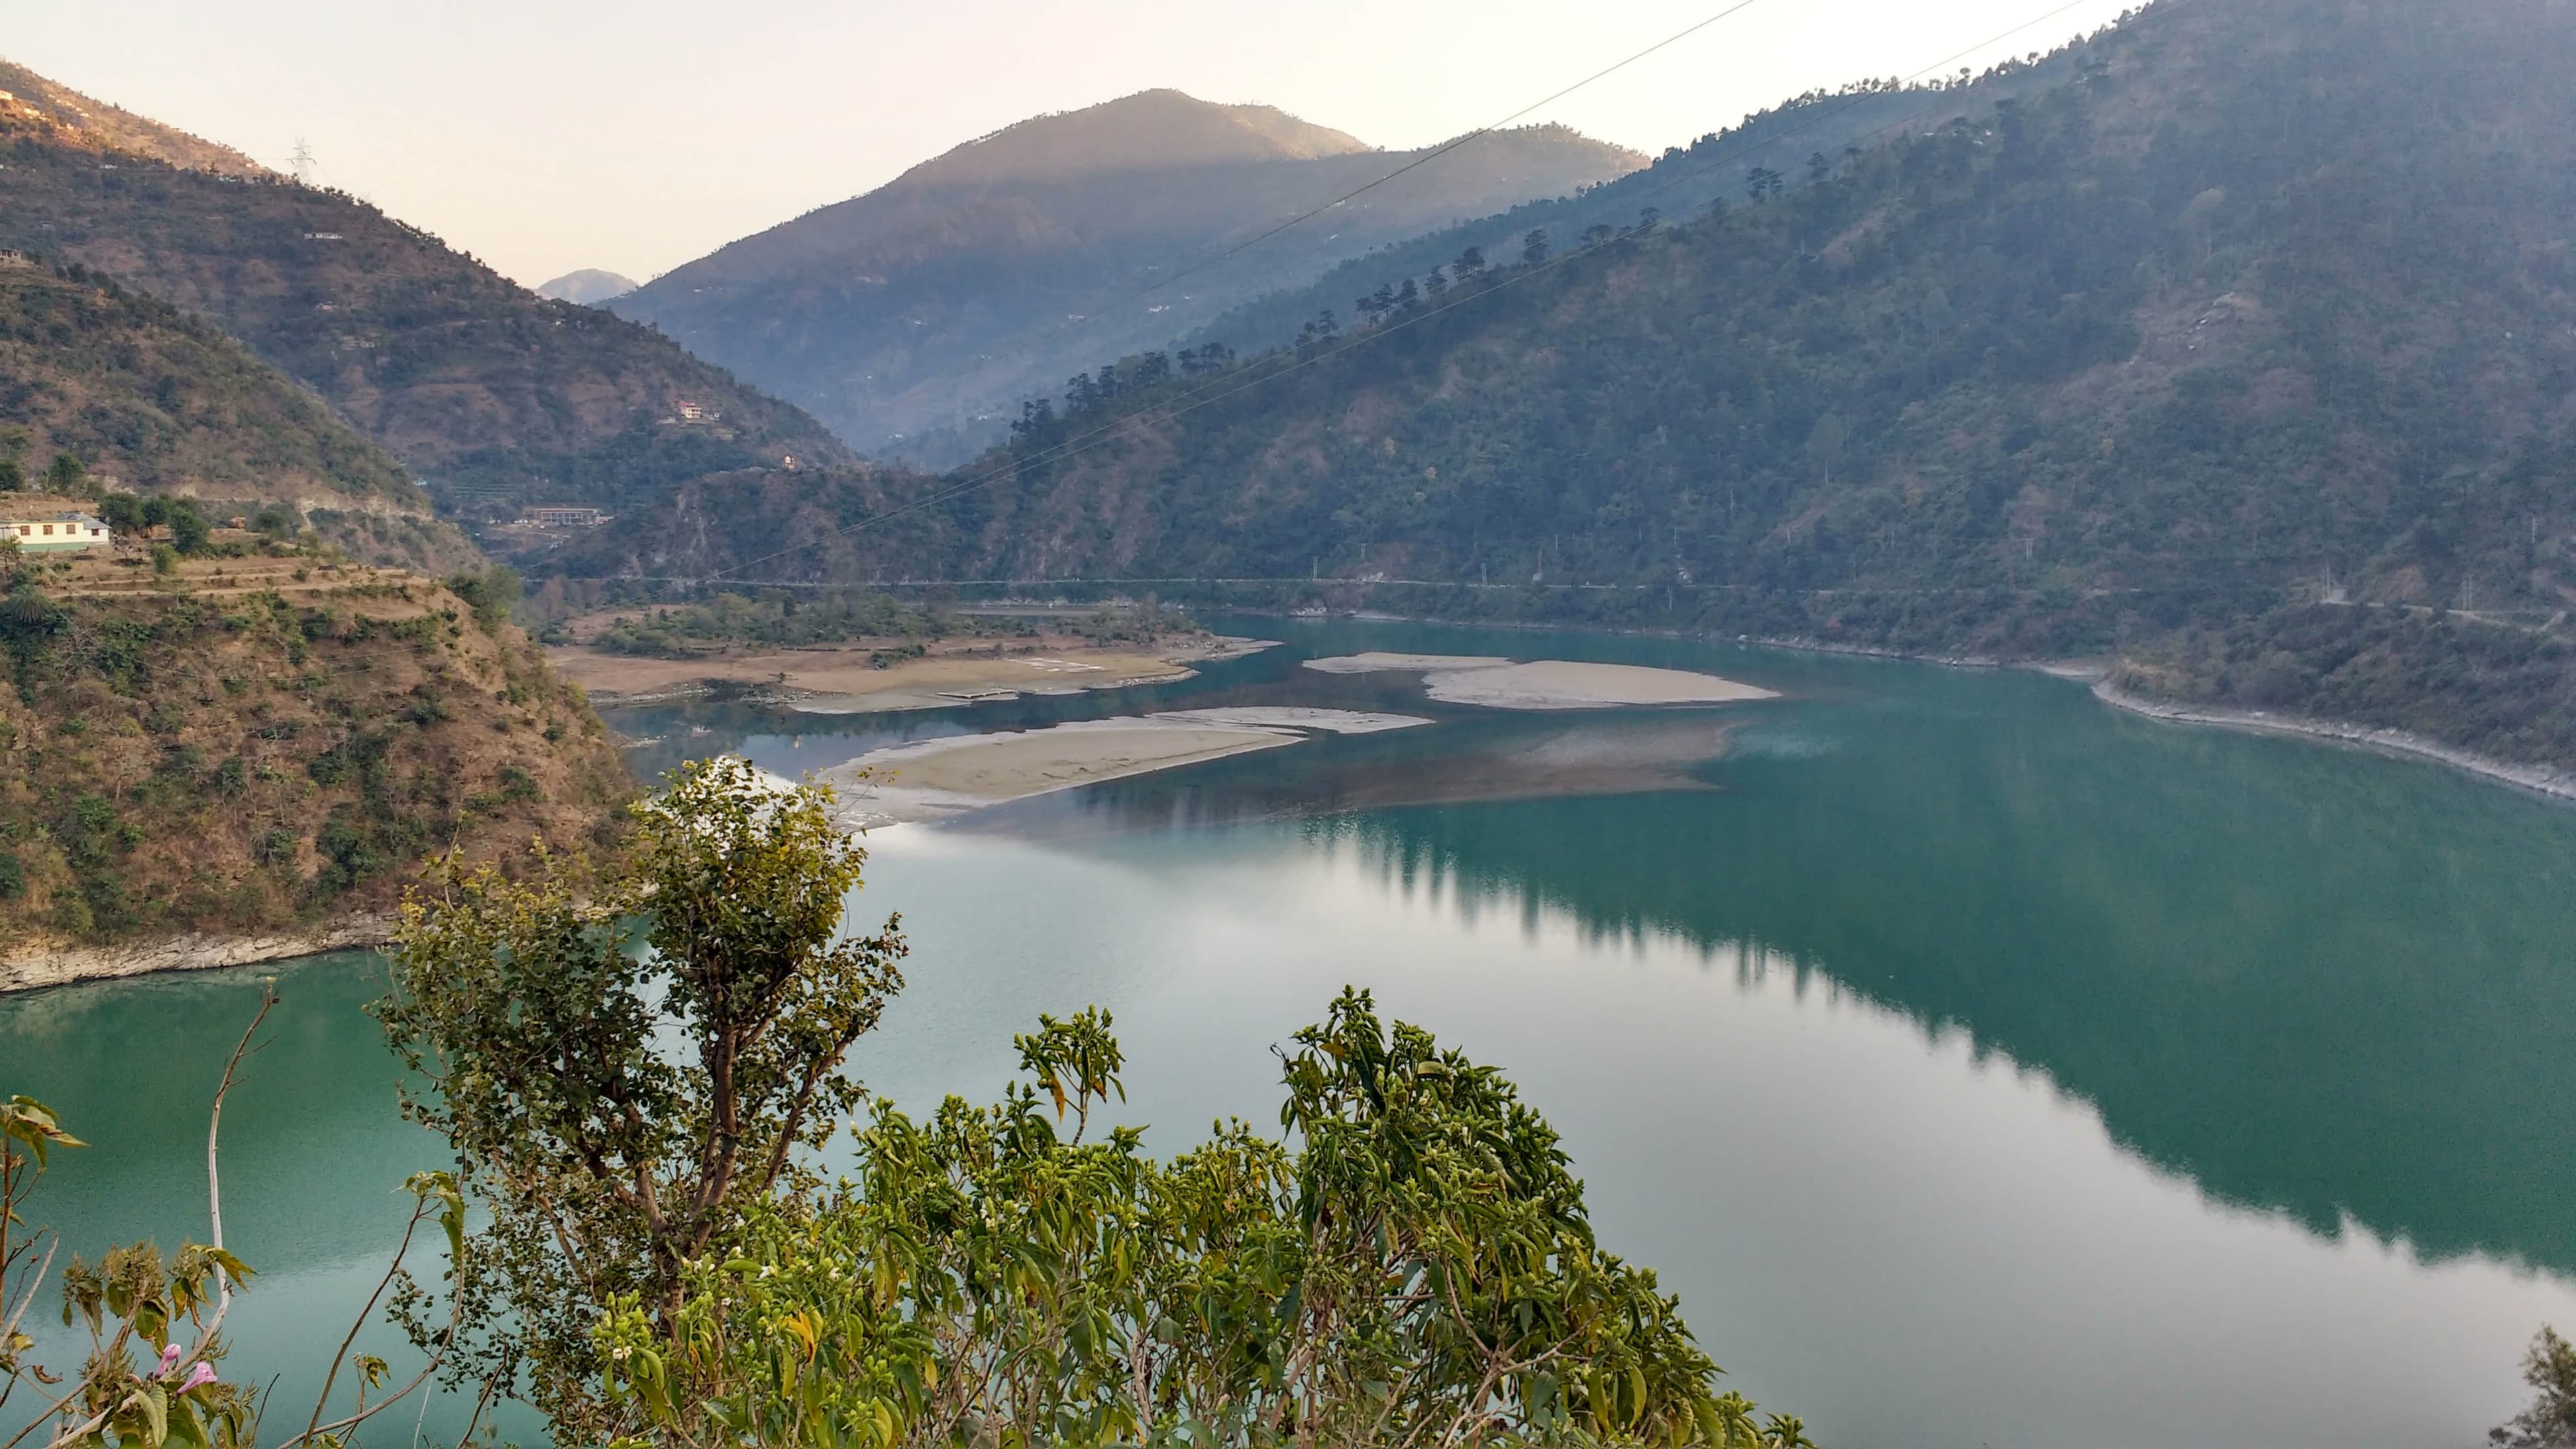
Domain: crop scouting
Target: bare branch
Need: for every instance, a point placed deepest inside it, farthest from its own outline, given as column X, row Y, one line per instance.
column 419, row 1210
column 28, row 1297
column 214, row 1129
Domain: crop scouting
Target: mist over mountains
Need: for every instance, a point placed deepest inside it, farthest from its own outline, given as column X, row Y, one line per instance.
column 915, row 319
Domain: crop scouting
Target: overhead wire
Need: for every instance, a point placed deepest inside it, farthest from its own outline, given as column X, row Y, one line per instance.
column 1193, row 400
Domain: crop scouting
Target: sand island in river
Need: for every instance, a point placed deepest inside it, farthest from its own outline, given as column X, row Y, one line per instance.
column 938, row 778
column 860, row 679
column 1545, row 683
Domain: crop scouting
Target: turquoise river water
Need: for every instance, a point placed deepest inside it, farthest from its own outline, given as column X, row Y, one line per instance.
column 1982, row 1066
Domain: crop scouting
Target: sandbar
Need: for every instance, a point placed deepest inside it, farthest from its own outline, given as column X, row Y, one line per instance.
column 850, row 680
column 1545, row 683
column 1296, row 717
column 935, row 779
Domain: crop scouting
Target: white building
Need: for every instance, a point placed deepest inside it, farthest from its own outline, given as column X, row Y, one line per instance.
column 51, row 525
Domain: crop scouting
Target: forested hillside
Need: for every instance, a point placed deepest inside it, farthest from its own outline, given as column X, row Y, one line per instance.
column 492, row 395
column 914, row 318
column 1790, row 145
column 146, row 398
column 34, row 107
column 2269, row 309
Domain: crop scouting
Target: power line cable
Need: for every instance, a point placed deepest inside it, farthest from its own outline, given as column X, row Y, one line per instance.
column 1192, row 401
column 1422, row 160
column 1094, row 310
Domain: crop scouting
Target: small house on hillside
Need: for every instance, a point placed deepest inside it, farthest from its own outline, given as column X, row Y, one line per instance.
column 51, row 525
column 558, row 516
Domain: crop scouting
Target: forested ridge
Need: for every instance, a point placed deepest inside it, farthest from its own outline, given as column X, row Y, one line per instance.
column 141, row 396
column 2266, row 309
column 1781, row 146
column 31, row 105
column 913, row 318
column 492, row 395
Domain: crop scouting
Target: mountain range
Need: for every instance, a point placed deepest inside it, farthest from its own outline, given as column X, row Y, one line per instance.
column 916, row 318
column 492, row 396
column 2242, row 351
column 2234, row 345
column 588, row 287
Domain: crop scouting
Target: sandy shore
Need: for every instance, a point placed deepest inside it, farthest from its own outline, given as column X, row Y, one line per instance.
column 939, row 778
column 845, row 680
column 1545, row 683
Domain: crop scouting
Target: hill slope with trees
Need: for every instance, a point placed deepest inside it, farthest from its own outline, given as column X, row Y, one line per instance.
column 2247, row 355
column 33, row 107
column 1787, row 146
column 933, row 304
column 143, row 397
column 271, row 745
column 492, row 395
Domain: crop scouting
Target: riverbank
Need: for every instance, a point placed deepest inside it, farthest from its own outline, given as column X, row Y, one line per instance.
column 2539, row 779
column 2547, row 780
column 36, row 965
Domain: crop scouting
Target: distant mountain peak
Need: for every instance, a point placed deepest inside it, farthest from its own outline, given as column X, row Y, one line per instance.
column 936, row 303
column 587, row 287
column 1145, row 131
column 32, row 105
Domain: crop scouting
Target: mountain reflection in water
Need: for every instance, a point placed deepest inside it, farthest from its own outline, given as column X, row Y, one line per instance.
column 2314, row 984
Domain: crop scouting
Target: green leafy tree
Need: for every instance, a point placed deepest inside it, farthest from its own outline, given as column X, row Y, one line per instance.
column 2550, row 1422
column 189, row 529
column 66, row 475
column 14, row 438
column 664, row 1264
column 490, row 594
column 122, row 512
column 1419, row 1270
column 609, row 1165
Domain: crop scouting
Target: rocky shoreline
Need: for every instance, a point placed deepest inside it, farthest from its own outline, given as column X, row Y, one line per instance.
column 31, row 967
column 2540, row 779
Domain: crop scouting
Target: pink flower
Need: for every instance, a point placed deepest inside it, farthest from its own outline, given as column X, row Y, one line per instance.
column 203, row 1373
column 169, row 1360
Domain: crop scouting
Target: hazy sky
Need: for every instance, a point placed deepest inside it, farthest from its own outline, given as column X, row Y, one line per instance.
column 544, row 135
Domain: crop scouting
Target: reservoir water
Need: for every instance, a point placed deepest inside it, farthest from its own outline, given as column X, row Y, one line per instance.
column 1982, row 1066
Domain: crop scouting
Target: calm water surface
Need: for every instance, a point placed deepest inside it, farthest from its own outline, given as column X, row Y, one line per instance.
column 1981, row 1066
